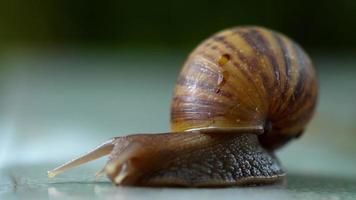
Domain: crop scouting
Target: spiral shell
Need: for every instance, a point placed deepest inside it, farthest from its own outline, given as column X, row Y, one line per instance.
column 246, row 77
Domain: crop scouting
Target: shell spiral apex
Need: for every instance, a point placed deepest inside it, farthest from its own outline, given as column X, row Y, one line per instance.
column 243, row 77
column 241, row 94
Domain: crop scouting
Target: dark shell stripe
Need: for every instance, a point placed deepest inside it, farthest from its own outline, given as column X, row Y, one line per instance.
column 229, row 84
column 280, row 94
column 250, row 71
column 267, row 85
column 287, row 67
column 268, row 82
column 299, row 117
column 294, row 80
column 298, row 112
column 301, row 87
column 265, row 48
column 239, row 73
column 307, row 102
column 242, row 60
column 230, row 47
column 286, row 58
column 262, row 45
column 274, row 42
column 286, row 91
column 297, row 107
column 296, row 117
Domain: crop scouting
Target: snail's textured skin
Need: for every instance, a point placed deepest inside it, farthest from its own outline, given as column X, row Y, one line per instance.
column 196, row 160
column 241, row 94
column 246, row 76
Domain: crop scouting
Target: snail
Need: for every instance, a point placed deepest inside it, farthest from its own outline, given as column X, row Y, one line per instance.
column 242, row 94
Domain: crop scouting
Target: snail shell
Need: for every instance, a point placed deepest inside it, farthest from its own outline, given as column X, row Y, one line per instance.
column 241, row 94
column 245, row 77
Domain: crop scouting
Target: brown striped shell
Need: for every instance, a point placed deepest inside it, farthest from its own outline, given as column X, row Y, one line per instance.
column 246, row 77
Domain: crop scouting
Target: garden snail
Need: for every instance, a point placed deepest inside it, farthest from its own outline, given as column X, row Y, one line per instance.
column 241, row 94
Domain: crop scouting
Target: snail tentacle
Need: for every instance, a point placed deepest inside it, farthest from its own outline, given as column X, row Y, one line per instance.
column 102, row 150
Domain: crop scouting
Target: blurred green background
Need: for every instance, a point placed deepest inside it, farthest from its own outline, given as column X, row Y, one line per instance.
column 75, row 73
column 326, row 25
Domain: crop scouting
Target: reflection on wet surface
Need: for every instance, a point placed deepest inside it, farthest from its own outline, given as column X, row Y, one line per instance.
column 81, row 184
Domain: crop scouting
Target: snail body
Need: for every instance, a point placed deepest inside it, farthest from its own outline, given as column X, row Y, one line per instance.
column 242, row 93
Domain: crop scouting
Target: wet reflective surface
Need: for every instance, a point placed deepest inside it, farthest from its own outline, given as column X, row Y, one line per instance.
column 30, row 182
